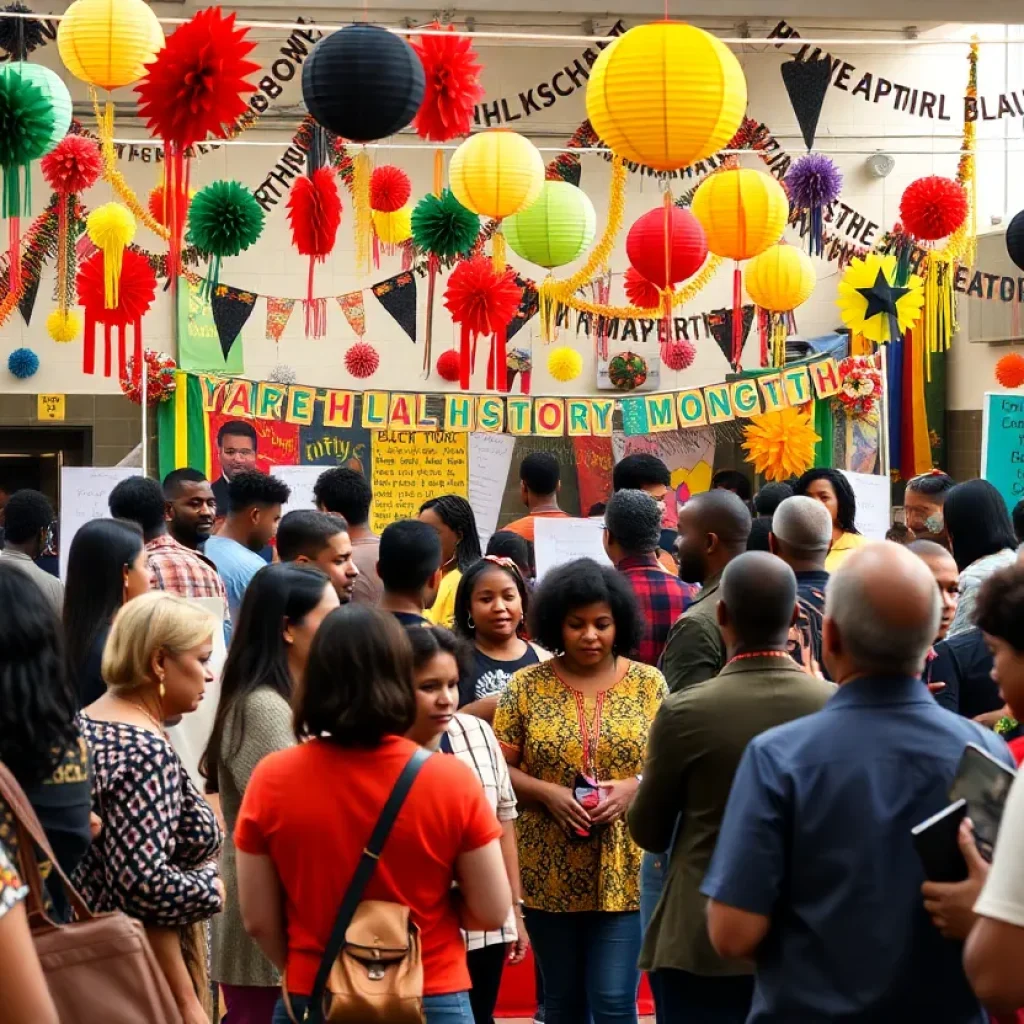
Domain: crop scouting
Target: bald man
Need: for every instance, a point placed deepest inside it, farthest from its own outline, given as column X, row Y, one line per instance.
column 713, row 530
column 692, row 754
column 815, row 877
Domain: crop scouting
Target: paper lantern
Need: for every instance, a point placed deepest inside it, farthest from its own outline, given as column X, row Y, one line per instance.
column 1015, row 240
column 780, row 279
column 363, row 83
column 393, row 228
column 107, row 43
column 496, row 173
column 742, row 212
column 565, row 363
column 666, row 95
column 554, row 230
column 934, row 207
column 686, row 246
column 54, row 90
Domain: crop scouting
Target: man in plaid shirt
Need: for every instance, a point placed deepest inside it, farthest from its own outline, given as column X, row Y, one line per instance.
column 632, row 531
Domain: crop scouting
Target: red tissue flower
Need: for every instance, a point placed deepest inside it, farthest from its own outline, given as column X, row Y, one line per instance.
column 679, row 355
column 933, row 208
column 640, row 292
column 136, row 290
column 362, row 360
column 73, row 166
column 1010, row 370
column 314, row 212
column 390, row 189
column 448, row 365
column 480, row 298
column 452, row 86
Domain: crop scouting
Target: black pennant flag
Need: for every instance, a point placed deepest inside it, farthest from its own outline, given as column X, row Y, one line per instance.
column 398, row 296
column 719, row 323
column 528, row 306
column 807, row 82
column 231, row 307
column 27, row 302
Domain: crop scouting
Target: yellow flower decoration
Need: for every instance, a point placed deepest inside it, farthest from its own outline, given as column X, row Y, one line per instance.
column 63, row 325
column 872, row 305
column 780, row 444
column 565, row 363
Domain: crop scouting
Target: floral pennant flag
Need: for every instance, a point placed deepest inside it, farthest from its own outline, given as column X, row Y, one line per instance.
column 279, row 312
column 352, row 307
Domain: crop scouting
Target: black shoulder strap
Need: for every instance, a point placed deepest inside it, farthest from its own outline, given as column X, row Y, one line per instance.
column 363, row 873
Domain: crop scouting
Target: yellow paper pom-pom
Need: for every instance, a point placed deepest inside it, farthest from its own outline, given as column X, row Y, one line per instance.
column 111, row 227
column 780, row 444
column 565, row 363
column 63, row 325
column 393, row 228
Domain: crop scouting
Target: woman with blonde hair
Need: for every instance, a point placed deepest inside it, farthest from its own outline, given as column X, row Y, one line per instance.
column 155, row 857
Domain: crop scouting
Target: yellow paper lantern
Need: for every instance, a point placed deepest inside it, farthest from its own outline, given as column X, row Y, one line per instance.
column 393, row 228
column 780, row 279
column 742, row 211
column 666, row 95
column 496, row 173
column 106, row 43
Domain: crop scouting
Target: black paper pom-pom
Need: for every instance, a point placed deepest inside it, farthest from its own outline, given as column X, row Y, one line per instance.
column 20, row 36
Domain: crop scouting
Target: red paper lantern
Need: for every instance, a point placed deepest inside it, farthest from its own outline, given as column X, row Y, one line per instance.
column 73, row 166
column 687, row 246
column 1010, row 370
column 678, row 355
column 448, row 365
column 362, row 360
column 933, row 208
column 390, row 189
column 640, row 292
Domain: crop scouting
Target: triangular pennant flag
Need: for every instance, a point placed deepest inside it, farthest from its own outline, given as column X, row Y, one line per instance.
column 279, row 312
column 719, row 323
column 27, row 302
column 398, row 296
column 528, row 306
column 231, row 308
column 807, row 82
column 355, row 314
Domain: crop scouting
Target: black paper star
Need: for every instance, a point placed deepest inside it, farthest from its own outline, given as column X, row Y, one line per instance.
column 882, row 296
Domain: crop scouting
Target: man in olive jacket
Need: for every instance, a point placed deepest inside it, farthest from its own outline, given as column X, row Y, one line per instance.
column 693, row 752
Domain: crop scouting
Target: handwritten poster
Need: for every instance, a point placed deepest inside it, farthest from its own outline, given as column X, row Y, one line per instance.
column 557, row 541
column 1002, row 445
column 301, row 480
column 410, row 466
column 84, row 491
column 490, row 456
column 874, row 501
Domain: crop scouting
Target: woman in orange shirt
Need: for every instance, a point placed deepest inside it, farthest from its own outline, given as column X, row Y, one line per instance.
column 308, row 813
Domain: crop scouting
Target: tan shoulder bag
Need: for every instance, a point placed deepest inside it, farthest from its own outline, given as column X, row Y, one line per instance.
column 100, row 967
column 372, row 970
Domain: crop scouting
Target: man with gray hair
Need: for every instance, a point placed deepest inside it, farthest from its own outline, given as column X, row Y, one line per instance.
column 632, row 522
column 814, row 876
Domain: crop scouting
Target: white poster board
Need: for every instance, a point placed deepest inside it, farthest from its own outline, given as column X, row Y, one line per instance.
column 557, row 541
column 874, row 500
column 490, row 457
column 84, row 491
column 301, row 480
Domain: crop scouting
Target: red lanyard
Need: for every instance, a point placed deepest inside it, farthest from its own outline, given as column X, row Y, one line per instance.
column 590, row 734
column 758, row 654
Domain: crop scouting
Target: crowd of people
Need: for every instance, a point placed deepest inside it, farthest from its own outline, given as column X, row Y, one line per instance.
column 701, row 759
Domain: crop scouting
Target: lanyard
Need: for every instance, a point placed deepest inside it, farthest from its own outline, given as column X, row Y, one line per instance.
column 589, row 733
column 446, row 743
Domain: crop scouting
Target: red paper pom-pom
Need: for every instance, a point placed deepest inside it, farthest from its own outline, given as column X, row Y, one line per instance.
column 160, row 381
column 1010, row 370
column 933, row 208
column 196, row 84
column 136, row 290
column 390, row 189
column 452, row 86
column 314, row 212
column 640, row 292
column 73, row 166
column 362, row 360
column 480, row 298
column 448, row 365
column 679, row 355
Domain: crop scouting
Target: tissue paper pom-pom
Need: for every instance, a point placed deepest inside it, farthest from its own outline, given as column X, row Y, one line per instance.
column 224, row 218
column 448, row 365
column 20, row 36
column 443, row 227
column 22, row 363
column 63, row 325
column 565, row 363
column 110, row 226
column 679, row 355
column 640, row 292
column 452, row 86
column 157, row 205
column 26, row 115
column 136, row 291
column 1010, row 370
column 814, row 180
column 780, row 444
column 160, row 381
column 314, row 212
column 390, row 188
column 362, row 360
column 627, row 371
column 933, row 207
column 481, row 298
column 73, row 166
column 282, row 374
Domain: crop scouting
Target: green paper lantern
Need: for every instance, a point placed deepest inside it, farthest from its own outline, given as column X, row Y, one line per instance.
column 26, row 126
column 224, row 219
column 56, row 92
column 556, row 229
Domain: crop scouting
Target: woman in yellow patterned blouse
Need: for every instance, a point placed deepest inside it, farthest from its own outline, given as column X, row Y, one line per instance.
column 586, row 712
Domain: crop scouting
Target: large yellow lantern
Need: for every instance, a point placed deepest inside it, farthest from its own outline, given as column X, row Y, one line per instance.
column 496, row 173
column 666, row 95
column 743, row 212
column 106, row 43
column 779, row 280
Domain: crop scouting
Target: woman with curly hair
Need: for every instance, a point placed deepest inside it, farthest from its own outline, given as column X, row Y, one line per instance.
column 833, row 490
column 574, row 733
column 453, row 519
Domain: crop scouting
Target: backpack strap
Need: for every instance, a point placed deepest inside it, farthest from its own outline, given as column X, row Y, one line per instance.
column 363, row 873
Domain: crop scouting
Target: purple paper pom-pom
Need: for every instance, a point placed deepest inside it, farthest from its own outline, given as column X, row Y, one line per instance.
column 814, row 180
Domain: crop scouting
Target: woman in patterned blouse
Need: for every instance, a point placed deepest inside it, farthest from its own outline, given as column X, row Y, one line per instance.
column 587, row 712
column 155, row 857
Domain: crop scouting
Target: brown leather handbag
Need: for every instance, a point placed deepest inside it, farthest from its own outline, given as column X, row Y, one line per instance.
column 100, row 967
column 372, row 969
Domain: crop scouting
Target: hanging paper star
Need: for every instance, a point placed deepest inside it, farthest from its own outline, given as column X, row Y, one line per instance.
column 882, row 296
column 872, row 305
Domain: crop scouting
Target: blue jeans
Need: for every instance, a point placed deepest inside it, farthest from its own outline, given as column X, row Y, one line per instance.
column 447, row 1009
column 588, row 960
column 652, row 880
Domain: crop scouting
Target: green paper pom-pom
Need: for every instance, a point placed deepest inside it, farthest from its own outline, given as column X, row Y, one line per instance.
column 26, row 127
column 443, row 227
column 224, row 219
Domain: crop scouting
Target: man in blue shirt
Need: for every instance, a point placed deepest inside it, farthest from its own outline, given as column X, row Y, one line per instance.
column 254, row 510
column 815, row 876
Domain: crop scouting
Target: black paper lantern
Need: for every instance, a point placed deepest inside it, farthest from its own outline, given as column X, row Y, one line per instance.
column 363, row 83
column 1015, row 240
